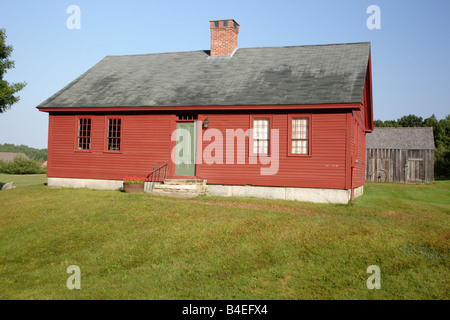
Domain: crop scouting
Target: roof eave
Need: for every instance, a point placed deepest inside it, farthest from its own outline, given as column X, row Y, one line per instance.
column 352, row 105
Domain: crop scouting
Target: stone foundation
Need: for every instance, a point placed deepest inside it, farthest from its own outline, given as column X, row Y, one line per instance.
column 282, row 193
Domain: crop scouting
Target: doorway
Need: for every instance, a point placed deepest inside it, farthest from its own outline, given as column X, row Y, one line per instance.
column 186, row 144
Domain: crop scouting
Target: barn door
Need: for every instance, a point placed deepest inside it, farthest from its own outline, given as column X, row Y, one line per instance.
column 415, row 171
column 382, row 170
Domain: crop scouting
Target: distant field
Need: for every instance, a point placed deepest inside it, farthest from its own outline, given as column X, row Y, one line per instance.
column 140, row 246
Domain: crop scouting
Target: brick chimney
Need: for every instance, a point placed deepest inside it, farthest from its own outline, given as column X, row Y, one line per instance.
column 223, row 36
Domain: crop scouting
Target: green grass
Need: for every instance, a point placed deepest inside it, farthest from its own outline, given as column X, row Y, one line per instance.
column 139, row 246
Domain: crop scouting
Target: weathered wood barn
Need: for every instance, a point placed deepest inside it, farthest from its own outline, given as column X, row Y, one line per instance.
column 275, row 122
column 404, row 155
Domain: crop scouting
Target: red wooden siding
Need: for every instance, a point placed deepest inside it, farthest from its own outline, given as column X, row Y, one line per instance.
column 358, row 148
column 361, row 123
column 145, row 140
column 367, row 102
column 325, row 168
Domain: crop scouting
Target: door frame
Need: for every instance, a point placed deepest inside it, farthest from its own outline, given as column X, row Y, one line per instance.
column 174, row 143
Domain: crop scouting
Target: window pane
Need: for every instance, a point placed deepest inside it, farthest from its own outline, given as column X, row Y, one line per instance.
column 114, row 134
column 261, row 136
column 84, row 134
column 300, row 146
column 261, row 146
column 299, row 128
column 264, row 146
column 261, row 129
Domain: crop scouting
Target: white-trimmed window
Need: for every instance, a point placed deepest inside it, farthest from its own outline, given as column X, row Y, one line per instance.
column 261, row 128
column 300, row 139
column 84, row 134
column 114, row 128
column 299, row 135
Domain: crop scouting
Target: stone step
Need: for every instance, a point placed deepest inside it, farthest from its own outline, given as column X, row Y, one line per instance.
column 184, row 188
column 179, row 187
column 185, row 182
column 175, row 194
column 180, row 190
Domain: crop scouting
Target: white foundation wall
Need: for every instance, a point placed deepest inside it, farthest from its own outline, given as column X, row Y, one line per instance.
column 91, row 184
column 85, row 183
column 285, row 193
column 282, row 193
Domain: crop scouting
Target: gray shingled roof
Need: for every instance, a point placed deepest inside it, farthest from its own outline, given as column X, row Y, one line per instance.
column 400, row 138
column 9, row 156
column 316, row 74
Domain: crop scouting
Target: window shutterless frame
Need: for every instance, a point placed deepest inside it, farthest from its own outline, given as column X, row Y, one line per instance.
column 259, row 138
column 113, row 134
column 83, row 133
column 299, row 135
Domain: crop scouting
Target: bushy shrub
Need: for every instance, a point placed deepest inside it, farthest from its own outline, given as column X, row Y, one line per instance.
column 21, row 165
column 442, row 162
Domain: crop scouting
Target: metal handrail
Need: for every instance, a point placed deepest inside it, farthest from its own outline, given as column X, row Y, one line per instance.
column 156, row 173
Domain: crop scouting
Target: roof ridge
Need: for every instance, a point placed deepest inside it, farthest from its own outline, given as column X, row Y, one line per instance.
column 312, row 45
column 147, row 54
column 403, row 128
column 249, row 48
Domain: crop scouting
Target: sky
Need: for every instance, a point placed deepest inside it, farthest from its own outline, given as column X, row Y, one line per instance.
column 410, row 65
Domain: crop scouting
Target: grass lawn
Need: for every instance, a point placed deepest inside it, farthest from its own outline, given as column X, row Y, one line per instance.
column 140, row 246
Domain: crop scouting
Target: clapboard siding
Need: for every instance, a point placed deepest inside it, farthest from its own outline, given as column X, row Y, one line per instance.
column 324, row 168
column 145, row 141
column 358, row 147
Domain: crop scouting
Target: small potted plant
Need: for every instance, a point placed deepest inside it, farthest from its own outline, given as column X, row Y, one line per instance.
column 133, row 184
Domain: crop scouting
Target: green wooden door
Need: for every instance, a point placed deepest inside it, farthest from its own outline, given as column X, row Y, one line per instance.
column 185, row 149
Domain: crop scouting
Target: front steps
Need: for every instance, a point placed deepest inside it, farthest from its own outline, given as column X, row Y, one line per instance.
column 182, row 188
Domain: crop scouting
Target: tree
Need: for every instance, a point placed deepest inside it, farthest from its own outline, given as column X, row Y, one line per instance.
column 410, row 121
column 377, row 123
column 7, row 90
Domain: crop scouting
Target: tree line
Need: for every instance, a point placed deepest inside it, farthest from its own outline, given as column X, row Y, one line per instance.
column 441, row 133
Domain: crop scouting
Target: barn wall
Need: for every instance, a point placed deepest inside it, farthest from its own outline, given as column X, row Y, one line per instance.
column 400, row 165
column 146, row 140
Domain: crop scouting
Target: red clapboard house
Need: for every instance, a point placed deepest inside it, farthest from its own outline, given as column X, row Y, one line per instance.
column 275, row 122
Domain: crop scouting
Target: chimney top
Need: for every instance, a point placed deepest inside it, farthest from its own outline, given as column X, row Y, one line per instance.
column 223, row 36
column 225, row 23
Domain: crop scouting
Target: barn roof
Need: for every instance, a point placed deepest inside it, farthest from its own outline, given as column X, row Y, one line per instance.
column 400, row 138
column 316, row 74
column 9, row 156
